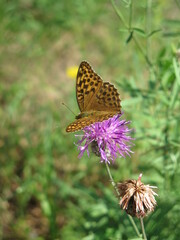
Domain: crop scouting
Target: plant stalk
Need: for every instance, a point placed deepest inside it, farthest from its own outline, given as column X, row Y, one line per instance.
column 143, row 229
column 117, row 191
column 130, row 29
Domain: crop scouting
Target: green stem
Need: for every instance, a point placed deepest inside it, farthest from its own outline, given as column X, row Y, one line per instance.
column 143, row 52
column 148, row 27
column 134, row 225
column 130, row 15
column 129, row 28
column 143, row 229
column 116, row 189
column 178, row 4
column 119, row 14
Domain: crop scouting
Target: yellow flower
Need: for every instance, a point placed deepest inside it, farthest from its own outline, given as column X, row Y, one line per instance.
column 72, row 71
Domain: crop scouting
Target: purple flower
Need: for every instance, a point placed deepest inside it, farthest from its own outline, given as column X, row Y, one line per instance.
column 107, row 139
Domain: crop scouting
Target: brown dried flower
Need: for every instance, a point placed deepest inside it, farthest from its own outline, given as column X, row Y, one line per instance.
column 137, row 199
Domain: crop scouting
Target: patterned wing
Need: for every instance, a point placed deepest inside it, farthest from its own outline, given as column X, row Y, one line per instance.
column 87, row 84
column 107, row 99
column 86, row 121
column 94, row 94
column 97, row 100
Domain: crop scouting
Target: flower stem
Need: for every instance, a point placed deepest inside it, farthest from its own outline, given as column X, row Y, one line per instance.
column 111, row 179
column 148, row 27
column 116, row 189
column 143, row 229
column 130, row 29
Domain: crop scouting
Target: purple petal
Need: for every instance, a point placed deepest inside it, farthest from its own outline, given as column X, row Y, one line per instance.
column 111, row 137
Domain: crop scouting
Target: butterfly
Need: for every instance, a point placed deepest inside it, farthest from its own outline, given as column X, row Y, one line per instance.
column 97, row 100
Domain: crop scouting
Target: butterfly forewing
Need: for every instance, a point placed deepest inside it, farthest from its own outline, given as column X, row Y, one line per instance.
column 97, row 100
column 87, row 84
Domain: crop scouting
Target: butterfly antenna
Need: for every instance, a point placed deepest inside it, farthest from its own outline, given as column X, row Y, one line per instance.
column 68, row 108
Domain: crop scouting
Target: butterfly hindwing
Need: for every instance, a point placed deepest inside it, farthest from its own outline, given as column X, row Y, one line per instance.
column 86, row 121
column 108, row 98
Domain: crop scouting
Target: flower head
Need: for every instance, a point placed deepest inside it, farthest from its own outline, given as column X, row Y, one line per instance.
column 137, row 199
column 107, row 139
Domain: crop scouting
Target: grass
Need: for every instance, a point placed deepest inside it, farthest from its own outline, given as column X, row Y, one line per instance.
column 46, row 191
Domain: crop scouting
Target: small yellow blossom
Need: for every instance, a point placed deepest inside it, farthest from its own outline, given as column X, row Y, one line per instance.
column 72, row 72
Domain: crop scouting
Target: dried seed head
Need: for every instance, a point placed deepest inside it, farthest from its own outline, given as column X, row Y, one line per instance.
column 137, row 199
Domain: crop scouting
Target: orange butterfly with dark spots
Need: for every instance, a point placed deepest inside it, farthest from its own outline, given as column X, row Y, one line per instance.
column 97, row 100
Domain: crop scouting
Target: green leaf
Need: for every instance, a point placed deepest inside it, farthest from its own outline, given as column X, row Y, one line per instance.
column 140, row 32
column 175, row 143
column 136, row 238
column 177, row 70
column 123, row 30
column 172, row 21
column 171, row 34
column 153, row 32
column 176, row 85
column 130, row 37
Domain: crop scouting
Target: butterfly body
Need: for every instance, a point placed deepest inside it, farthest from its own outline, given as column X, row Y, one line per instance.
column 97, row 100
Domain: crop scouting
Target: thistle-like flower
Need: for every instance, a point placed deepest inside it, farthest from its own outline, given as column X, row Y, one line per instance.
column 107, row 139
column 137, row 199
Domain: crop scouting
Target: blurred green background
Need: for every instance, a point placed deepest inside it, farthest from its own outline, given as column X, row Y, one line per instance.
column 46, row 192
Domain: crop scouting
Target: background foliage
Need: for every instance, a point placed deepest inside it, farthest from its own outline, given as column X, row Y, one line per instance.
column 46, row 191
